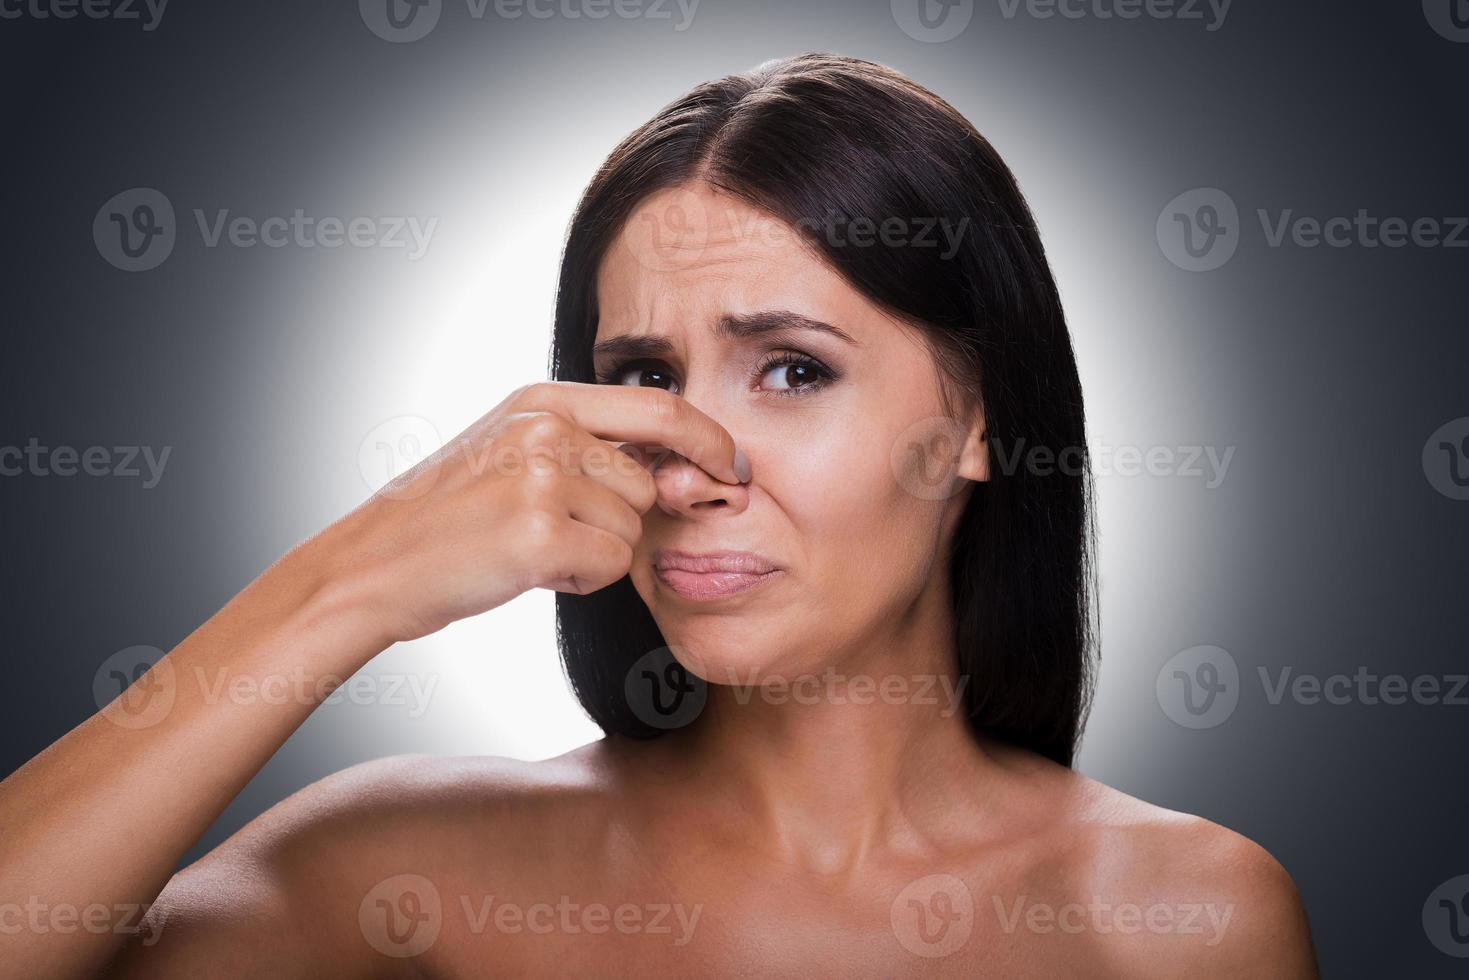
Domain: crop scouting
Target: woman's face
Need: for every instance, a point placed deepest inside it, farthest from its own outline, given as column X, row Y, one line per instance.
column 844, row 430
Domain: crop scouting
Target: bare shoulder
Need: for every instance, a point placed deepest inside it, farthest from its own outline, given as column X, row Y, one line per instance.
column 431, row 812
column 285, row 892
column 1166, row 893
column 423, row 792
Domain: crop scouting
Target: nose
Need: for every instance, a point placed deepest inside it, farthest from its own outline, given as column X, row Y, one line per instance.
column 685, row 490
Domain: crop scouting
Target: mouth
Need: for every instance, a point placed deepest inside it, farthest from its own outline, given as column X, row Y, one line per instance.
column 712, row 575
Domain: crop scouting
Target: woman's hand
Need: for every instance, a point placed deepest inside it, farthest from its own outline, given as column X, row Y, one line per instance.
column 534, row 494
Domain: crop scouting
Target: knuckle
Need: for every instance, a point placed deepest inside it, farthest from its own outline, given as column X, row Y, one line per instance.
column 529, row 394
column 540, row 428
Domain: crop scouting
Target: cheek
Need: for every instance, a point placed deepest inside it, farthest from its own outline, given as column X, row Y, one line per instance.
column 845, row 496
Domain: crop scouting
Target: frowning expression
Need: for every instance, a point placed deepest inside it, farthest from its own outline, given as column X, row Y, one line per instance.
column 729, row 308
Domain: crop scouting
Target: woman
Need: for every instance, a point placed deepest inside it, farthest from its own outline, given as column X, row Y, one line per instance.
column 830, row 604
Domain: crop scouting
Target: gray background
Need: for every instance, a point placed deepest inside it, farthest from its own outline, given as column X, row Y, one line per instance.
column 1325, row 549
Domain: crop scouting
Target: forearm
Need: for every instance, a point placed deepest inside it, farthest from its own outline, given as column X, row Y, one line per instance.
column 101, row 817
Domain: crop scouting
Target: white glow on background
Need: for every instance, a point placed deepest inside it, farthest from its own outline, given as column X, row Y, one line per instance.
column 446, row 339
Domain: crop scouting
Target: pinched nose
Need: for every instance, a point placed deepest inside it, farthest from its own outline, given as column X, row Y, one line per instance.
column 686, row 490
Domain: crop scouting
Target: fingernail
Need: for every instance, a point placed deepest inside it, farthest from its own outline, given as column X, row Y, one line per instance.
column 742, row 465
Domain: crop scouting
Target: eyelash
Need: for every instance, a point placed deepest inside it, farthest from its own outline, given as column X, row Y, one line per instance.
column 775, row 359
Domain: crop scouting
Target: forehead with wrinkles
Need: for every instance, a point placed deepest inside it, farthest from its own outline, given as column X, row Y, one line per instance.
column 693, row 252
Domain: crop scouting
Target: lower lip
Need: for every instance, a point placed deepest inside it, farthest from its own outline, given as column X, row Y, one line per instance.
column 712, row 585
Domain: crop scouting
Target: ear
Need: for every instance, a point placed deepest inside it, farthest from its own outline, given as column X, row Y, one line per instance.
column 974, row 458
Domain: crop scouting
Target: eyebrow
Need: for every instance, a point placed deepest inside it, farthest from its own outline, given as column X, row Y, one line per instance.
column 730, row 326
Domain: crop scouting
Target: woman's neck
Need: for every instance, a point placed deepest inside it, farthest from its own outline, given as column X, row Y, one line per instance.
column 826, row 767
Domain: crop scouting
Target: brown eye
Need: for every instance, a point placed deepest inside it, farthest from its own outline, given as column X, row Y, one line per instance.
column 794, row 374
column 638, row 375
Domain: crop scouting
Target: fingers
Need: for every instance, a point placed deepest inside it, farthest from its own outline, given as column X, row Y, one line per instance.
column 605, row 464
column 585, row 559
column 621, row 413
column 599, row 507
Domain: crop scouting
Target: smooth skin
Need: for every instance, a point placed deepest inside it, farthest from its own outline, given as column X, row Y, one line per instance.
column 791, row 831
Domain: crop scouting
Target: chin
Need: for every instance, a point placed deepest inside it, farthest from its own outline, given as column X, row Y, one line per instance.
column 748, row 637
column 740, row 652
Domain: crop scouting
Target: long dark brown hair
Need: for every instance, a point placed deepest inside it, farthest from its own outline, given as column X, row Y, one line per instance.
column 822, row 141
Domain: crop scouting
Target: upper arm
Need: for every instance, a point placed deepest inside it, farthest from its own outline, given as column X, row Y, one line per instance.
column 1270, row 934
column 1225, row 908
column 226, row 918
